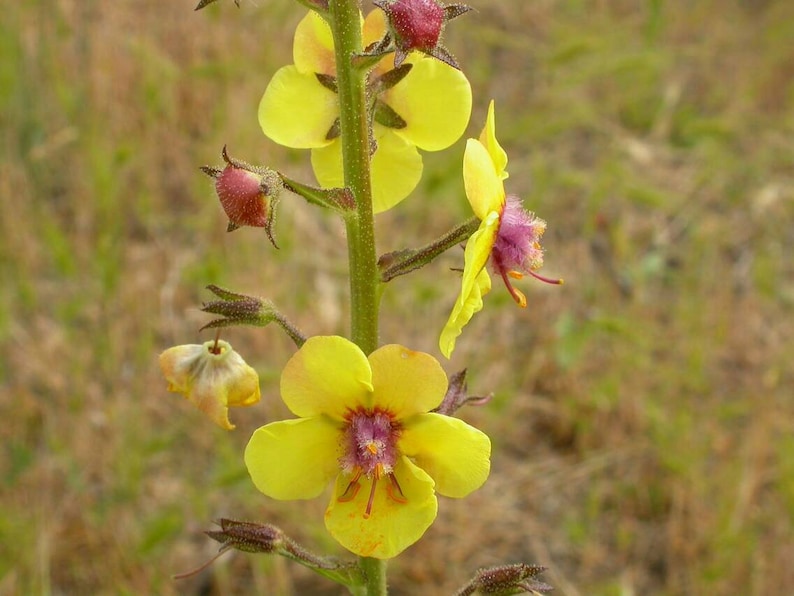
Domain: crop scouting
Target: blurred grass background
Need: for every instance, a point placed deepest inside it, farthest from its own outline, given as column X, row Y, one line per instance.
column 643, row 413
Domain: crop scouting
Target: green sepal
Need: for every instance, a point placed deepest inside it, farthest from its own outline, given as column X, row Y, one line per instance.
column 373, row 53
column 389, row 79
column 386, row 116
column 327, row 81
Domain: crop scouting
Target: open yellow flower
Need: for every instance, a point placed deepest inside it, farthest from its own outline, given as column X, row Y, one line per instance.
column 212, row 376
column 366, row 422
column 300, row 109
column 508, row 237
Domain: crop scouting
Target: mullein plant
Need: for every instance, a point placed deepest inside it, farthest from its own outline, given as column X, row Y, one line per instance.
column 374, row 425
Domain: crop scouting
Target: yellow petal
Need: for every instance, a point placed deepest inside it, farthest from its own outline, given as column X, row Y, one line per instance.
column 396, row 168
column 392, row 526
column 488, row 138
column 294, row 459
column 176, row 364
column 484, row 187
column 244, row 391
column 406, row 382
column 374, row 27
column 456, row 455
column 328, row 375
column 462, row 313
column 474, row 285
column 212, row 376
column 327, row 165
column 434, row 99
column 313, row 46
column 296, row 110
column 478, row 251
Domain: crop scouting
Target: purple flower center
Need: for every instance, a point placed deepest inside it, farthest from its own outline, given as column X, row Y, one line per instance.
column 517, row 251
column 517, row 245
column 370, row 451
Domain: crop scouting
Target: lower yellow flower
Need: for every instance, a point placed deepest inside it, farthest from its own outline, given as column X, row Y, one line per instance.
column 212, row 376
column 366, row 422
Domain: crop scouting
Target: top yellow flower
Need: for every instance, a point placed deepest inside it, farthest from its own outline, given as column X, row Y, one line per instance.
column 508, row 236
column 300, row 109
column 366, row 421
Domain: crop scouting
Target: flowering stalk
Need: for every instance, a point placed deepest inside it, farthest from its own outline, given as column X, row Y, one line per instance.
column 351, row 89
column 375, row 421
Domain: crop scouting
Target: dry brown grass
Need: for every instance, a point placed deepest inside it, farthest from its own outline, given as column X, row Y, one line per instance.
column 643, row 412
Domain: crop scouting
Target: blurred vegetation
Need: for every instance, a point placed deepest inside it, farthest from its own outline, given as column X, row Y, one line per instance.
column 643, row 415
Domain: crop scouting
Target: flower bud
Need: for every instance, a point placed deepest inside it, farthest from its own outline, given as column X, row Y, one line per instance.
column 239, row 309
column 266, row 538
column 248, row 536
column 248, row 194
column 506, row 579
column 417, row 25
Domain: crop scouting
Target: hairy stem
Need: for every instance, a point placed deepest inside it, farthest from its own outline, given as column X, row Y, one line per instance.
column 364, row 274
column 351, row 82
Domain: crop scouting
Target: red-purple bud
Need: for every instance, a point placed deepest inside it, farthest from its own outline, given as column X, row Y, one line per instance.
column 241, row 197
column 248, row 194
column 417, row 24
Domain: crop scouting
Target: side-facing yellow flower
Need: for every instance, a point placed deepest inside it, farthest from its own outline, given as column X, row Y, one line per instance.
column 508, row 237
column 212, row 376
column 366, row 422
column 300, row 109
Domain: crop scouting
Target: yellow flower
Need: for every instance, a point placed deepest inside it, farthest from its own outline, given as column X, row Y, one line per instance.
column 300, row 109
column 508, row 237
column 211, row 376
column 366, row 422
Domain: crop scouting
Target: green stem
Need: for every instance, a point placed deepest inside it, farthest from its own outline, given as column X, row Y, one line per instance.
column 351, row 82
column 364, row 274
column 375, row 575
